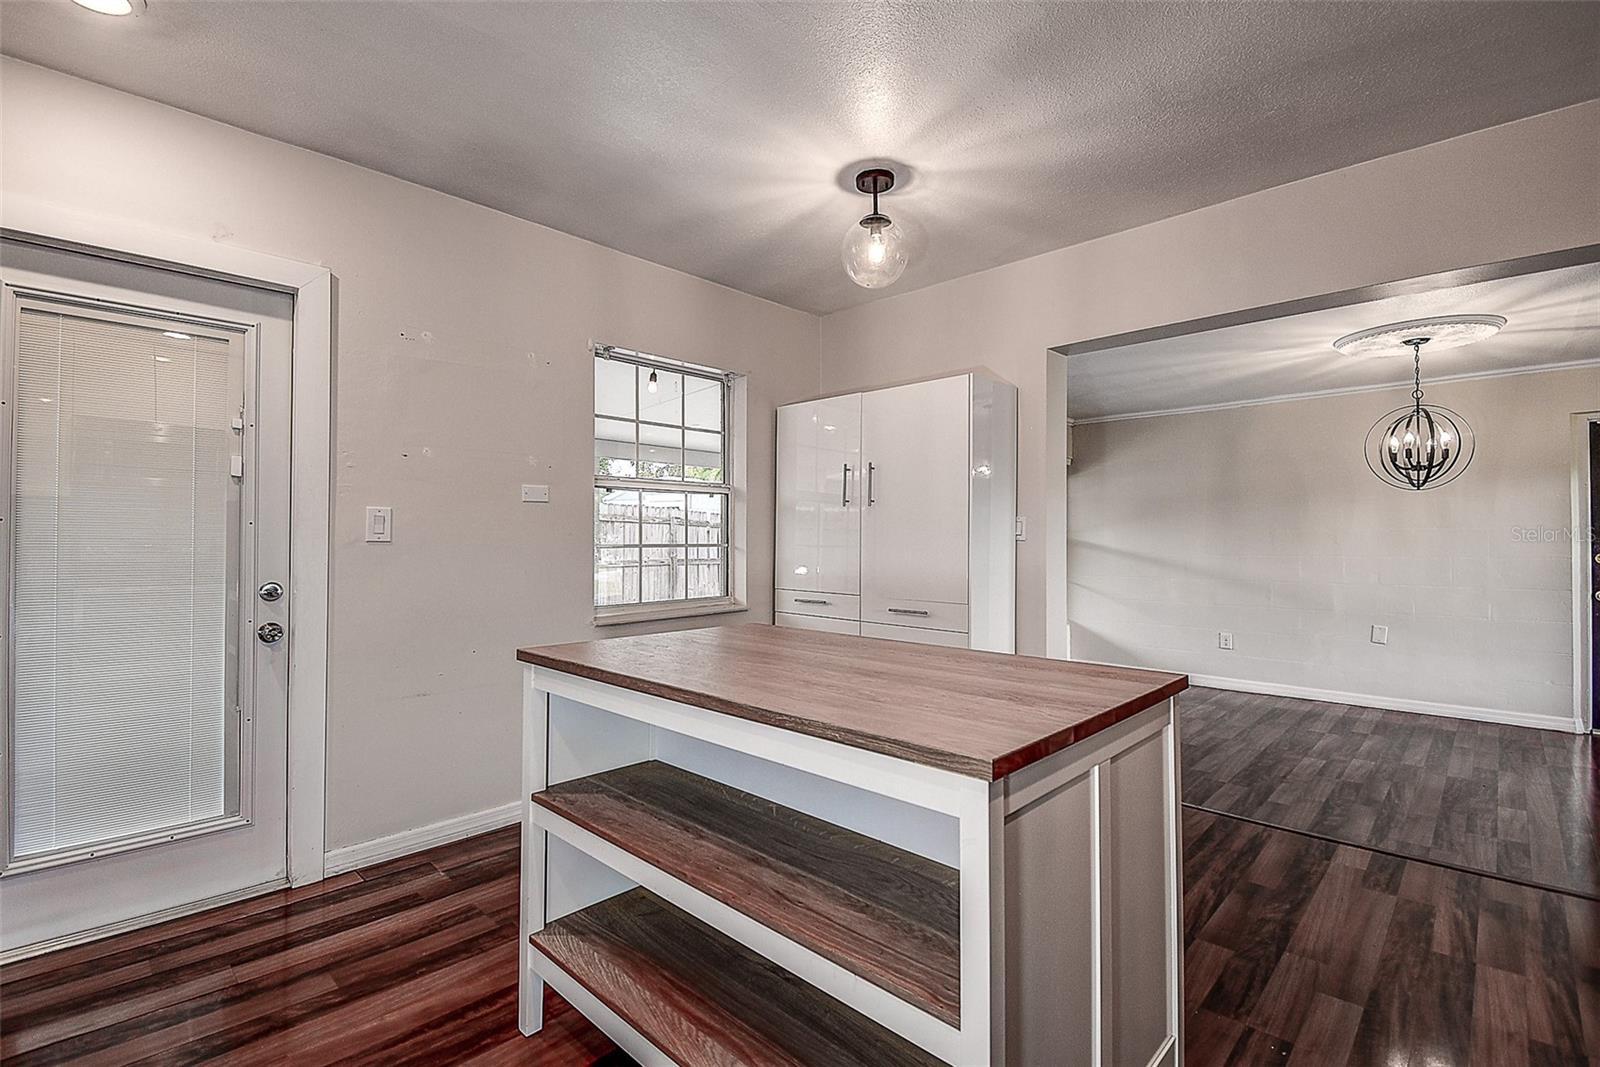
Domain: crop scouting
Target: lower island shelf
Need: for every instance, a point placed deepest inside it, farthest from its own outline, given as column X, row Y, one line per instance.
column 702, row 998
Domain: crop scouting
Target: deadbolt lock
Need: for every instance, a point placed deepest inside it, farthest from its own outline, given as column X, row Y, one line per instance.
column 270, row 591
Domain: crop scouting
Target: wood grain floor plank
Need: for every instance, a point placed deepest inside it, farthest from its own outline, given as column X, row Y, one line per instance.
column 1508, row 801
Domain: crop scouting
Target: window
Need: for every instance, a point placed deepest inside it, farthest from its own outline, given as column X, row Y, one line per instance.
column 661, row 485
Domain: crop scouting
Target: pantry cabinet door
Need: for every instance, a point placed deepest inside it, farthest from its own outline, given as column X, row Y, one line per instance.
column 915, row 445
column 819, row 501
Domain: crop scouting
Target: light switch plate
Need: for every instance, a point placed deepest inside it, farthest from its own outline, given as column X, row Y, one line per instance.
column 1380, row 635
column 1022, row 528
column 536, row 494
column 380, row 525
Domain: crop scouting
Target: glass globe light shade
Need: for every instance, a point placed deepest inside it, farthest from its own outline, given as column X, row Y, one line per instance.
column 874, row 252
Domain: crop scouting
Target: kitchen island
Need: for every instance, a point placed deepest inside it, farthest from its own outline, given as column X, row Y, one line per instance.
column 747, row 844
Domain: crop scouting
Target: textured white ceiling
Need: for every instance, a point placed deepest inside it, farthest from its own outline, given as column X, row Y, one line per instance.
column 1553, row 317
column 717, row 137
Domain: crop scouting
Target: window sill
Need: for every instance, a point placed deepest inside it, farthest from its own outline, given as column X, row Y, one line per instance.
column 662, row 612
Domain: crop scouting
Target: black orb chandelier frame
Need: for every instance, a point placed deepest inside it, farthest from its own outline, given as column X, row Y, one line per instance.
column 1419, row 446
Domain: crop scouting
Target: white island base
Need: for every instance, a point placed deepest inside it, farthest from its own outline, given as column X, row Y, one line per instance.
column 1060, row 940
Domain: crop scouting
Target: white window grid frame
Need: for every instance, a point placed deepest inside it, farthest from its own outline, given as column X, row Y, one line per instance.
column 723, row 488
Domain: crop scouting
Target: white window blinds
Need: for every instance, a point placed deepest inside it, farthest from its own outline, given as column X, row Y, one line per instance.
column 125, row 527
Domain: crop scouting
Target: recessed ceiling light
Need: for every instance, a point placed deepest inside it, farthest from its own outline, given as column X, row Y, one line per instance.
column 1443, row 331
column 107, row 7
column 176, row 336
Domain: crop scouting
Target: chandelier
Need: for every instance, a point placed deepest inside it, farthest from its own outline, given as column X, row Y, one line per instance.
column 1420, row 446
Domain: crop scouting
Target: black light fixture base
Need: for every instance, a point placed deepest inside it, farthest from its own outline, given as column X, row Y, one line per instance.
column 875, row 181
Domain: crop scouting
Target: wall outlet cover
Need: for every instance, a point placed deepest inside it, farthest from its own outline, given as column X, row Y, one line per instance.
column 536, row 494
column 1225, row 640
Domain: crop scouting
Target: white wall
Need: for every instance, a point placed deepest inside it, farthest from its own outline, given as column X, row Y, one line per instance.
column 1265, row 522
column 1509, row 191
column 424, row 711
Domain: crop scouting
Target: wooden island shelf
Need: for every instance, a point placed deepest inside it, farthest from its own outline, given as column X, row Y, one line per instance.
column 750, row 844
column 705, row 999
column 888, row 915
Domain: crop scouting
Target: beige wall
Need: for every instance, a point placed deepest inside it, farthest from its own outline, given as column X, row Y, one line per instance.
column 1509, row 191
column 424, row 713
column 1265, row 522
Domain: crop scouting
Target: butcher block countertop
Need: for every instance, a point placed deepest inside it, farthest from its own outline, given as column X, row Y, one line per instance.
column 979, row 714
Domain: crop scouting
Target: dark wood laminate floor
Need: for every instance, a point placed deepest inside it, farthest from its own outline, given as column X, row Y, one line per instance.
column 1300, row 951
column 1518, row 803
column 409, row 962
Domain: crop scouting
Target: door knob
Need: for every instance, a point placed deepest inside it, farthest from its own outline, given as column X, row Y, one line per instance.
column 270, row 633
column 270, row 591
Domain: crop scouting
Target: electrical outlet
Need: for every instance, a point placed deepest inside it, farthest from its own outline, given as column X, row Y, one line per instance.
column 1225, row 640
column 1380, row 635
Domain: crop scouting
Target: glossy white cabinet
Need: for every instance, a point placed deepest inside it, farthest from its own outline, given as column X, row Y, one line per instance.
column 819, row 507
column 916, row 635
column 915, row 441
column 817, row 622
column 902, row 501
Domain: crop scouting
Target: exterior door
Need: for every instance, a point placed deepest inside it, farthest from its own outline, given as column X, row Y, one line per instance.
column 914, row 522
column 146, row 457
column 819, row 498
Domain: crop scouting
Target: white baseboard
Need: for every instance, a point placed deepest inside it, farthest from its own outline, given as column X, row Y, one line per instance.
column 366, row 853
column 1360, row 700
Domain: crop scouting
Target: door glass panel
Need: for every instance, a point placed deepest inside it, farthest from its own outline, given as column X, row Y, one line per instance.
column 126, row 524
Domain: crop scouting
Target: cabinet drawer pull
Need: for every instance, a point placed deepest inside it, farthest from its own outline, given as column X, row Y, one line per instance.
column 846, row 494
column 908, row 611
column 804, row 600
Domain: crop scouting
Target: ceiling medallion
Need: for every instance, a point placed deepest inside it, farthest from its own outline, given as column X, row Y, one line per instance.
column 1420, row 446
column 1448, row 331
column 874, row 248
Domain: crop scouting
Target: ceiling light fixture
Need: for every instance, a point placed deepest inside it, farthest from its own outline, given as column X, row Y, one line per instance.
column 874, row 248
column 1420, row 446
column 109, row 7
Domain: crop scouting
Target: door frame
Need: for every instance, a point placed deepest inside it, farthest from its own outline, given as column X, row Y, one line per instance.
column 33, row 221
column 1583, row 638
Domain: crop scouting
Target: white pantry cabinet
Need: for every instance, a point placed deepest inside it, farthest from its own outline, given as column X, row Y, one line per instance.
column 819, row 512
column 897, row 508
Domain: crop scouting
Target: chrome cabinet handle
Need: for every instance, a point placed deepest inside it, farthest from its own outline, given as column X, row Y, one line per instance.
column 270, row 633
column 803, row 600
column 846, row 501
column 870, row 499
column 908, row 611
